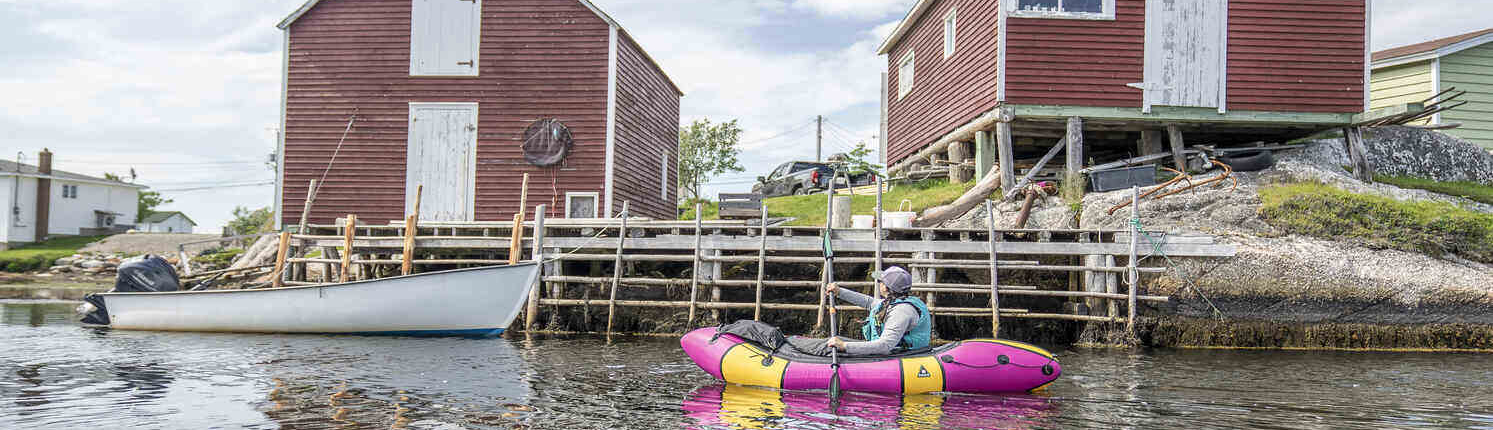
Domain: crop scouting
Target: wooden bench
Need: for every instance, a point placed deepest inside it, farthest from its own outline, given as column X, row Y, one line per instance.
column 741, row 206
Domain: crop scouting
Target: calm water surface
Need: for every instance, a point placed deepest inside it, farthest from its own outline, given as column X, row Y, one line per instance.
column 57, row 374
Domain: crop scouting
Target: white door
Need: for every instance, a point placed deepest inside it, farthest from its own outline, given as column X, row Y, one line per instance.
column 443, row 158
column 1186, row 44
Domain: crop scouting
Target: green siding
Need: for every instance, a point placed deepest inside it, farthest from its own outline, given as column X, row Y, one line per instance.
column 1409, row 83
column 1471, row 70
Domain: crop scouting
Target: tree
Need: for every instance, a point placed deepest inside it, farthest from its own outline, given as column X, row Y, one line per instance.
column 707, row 150
column 147, row 204
column 855, row 160
column 247, row 222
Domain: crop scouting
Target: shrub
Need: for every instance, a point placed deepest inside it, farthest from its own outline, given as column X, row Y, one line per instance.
column 1434, row 228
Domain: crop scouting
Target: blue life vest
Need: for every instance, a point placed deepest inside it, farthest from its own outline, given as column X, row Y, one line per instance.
column 917, row 337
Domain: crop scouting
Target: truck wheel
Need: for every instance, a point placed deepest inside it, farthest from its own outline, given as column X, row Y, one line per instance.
column 799, row 191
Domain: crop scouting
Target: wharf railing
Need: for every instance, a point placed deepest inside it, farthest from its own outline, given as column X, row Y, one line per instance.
column 371, row 251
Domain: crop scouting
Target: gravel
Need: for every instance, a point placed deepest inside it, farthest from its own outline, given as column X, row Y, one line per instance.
column 163, row 244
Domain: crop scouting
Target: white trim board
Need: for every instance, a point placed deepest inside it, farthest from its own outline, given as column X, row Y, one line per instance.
column 1440, row 52
column 67, row 179
column 280, row 140
column 595, row 202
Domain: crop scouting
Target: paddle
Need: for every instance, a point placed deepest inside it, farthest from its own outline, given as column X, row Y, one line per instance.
column 829, row 278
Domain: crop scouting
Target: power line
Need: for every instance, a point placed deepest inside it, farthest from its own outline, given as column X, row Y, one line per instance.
column 120, row 163
column 218, row 187
column 790, row 131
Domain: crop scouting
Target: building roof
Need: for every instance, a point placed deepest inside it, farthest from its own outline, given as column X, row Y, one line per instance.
column 295, row 15
column 156, row 217
column 904, row 26
column 8, row 168
column 1436, row 48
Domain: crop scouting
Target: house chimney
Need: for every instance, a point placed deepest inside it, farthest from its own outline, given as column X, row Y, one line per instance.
column 43, row 193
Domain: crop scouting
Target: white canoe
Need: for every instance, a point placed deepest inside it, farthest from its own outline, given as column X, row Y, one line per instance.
column 467, row 302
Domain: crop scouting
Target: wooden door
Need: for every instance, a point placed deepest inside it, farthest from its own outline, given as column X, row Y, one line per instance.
column 442, row 157
column 1186, row 45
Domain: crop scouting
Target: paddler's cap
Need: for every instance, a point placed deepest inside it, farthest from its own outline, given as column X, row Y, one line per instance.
column 896, row 279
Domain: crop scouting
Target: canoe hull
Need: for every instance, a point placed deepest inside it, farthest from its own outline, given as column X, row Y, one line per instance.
column 971, row 366
column 466, row 302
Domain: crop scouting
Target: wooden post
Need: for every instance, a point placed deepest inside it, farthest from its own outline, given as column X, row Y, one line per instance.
column 984, row 154
column 279, row 275
column 715, row 289
column 186, row 261
column 762, row 265
column 995, row 297
column 411, row 226
column 1111, row 286
column 617, row 269
column 1358, row 154
column 419, row 194
column 876, row 292
column 306, row 210
column 1174, row 135
column 1150, row 143
column 1075, row 147
column 531, row 314
column 1133, row 275
column 1007, row 158
column 349, row 231
column 694, row 284
column 515, row 247
column 957, row 172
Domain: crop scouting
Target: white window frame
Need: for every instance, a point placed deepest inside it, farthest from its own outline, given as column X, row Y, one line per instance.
column 476, row 45
column 1108, row 12
column 595, row 202
column 905, row 80
column 663, row 177
column 950, row 33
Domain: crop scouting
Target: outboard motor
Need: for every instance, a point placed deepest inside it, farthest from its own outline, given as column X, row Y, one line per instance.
column 144, row 274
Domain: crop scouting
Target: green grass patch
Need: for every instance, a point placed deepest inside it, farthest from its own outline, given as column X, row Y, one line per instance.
column 1469, row 190
column 41, row 255
column 809, row 210
column 1434, row 228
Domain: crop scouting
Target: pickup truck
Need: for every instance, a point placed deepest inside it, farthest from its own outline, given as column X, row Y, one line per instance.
column 803, row 177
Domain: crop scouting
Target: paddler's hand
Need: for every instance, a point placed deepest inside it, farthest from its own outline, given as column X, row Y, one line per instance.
column 831, row 288
column 835, row 343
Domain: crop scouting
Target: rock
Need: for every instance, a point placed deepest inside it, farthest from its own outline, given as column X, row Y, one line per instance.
column 173, row 261
column 93, row 271
column 66, row 261
column 61, row 268
column 93, row 264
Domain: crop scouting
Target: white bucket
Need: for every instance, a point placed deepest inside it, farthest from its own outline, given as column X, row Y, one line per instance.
column 862, row 221
column 900, row 218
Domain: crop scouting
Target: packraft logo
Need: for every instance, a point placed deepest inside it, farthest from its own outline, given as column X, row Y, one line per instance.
column 923, row 372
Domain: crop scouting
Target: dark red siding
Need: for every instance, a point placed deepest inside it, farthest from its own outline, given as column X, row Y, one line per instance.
column 1293, row 56
column 538, row 59
column 947, row 92
column 647, row 135
column 1075, row 62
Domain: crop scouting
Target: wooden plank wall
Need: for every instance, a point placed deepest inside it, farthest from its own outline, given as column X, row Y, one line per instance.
column 1472, row 71
column 647, row 134
column 946, row 92
column 538, row 58
column 1294, row 56
column 1076, row 62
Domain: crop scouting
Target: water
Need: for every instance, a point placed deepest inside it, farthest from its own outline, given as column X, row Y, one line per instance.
column 56, row 374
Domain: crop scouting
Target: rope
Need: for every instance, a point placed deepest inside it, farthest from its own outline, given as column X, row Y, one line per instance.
column 323, row 181
column 1187, row 282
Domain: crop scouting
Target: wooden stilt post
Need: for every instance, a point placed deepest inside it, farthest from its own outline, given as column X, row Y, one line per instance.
column 1133, row 275
column 957, row 172
column 694, row 284
column 531, row 314
column 1150, row 143
column 349, row 232
column 617, row 268
column 1174, row 135
column 761, row 266
column 1007, row 158
column 995, row 297
column 1111, row 286
column 278, row 278
column 984, row 154
column 1075, row 148
column 1357, row 154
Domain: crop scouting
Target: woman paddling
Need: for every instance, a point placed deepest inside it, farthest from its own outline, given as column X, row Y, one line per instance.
column 898, row 321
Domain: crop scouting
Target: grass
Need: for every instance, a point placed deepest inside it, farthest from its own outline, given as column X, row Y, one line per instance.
column 41, row 255
column 1433, row 228
column 809, row 210
column 1469, row 190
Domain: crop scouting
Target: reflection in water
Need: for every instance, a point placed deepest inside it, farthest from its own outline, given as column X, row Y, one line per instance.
column 61, row 375
column 733, row 406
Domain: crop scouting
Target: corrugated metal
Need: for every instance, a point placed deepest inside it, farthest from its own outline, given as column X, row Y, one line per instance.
column 1293, row 56
column 539, row 58
column 947, row 92
column 1469, row 71
column 647, row 134
column 1074, row 62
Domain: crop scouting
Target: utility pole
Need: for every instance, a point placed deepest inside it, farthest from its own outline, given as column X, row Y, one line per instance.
column 819, row 139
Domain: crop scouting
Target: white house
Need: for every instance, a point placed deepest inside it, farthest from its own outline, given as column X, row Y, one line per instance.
column 73, row 204
column 166, row 222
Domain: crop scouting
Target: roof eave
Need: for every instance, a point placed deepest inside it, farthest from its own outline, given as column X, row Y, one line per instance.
column 1430, row 54
column 904, row 26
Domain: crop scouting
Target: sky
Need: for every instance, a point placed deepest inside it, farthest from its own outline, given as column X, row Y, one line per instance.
column 187, row 93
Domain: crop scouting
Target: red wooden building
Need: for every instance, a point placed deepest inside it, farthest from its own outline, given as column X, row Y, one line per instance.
column 988, row 77
column 447, row 93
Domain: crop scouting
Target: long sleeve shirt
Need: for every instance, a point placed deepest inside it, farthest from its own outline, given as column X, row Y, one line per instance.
column 898, row 321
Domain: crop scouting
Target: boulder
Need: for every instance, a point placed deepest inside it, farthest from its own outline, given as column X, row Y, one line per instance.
column 93, row 264
column 60, row 268
column 66, row 261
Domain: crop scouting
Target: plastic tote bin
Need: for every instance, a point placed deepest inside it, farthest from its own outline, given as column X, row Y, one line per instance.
column 1123, row 178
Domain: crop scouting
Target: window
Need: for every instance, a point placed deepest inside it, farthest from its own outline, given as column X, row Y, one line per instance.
column 1066, row 9
column 904, row 76
column 69, row 191
column 581, row 204
column 950, row 27
column 443, row 37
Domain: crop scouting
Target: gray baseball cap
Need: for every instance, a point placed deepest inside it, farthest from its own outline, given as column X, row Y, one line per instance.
column 896, row 279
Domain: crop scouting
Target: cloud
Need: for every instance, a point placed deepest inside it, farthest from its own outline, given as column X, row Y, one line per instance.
column 856, row 9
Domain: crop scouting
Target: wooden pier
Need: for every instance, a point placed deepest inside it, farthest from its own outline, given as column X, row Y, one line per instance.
column 702, row 251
